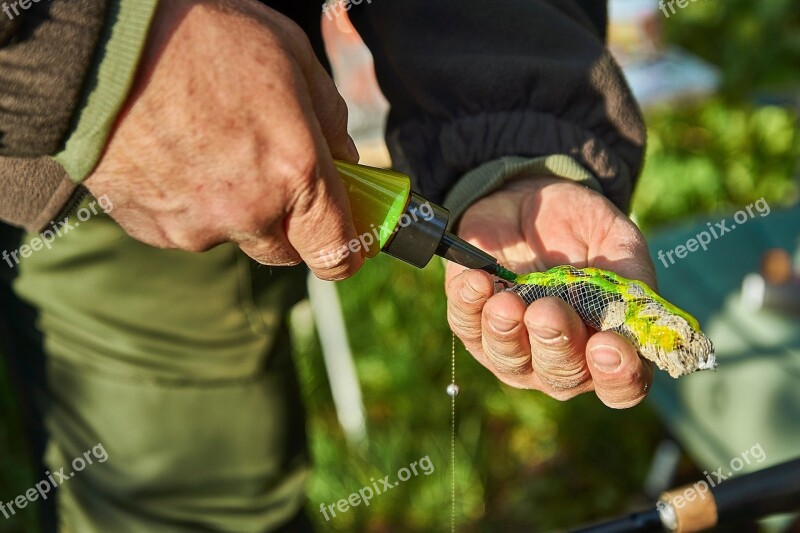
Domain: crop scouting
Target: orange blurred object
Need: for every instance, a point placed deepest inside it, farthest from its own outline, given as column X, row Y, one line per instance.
column 776, row 266
column 354, row 73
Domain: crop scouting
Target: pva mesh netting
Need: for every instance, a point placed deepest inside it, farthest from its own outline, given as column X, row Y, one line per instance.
column 663, row 334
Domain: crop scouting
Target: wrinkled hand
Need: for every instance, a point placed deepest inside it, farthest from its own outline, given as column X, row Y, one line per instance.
column 229, row 135
column 535, row 224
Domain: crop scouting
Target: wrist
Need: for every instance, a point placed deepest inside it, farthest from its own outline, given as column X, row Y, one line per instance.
column 494, row 175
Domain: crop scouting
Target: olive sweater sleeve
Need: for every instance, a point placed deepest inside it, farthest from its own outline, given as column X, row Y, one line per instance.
column 481, row 92
column 65, row 70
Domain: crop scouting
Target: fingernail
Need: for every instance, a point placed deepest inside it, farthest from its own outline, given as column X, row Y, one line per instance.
column 543, row 332
column 469, row 294
column 606, row 358
column 502, row 324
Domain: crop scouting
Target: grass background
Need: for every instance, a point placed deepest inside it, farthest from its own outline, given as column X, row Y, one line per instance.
column 525, row 461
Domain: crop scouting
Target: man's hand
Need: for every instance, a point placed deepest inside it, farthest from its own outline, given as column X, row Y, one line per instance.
column 535, row 224
column 229, row 135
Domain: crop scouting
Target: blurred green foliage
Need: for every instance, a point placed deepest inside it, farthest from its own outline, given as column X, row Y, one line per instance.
column 756, row 44
column 726, row 152
column 716, row 156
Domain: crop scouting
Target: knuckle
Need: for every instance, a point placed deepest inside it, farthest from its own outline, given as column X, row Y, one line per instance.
column 562, row 395
column 465, row 328
column 306, row 185
column 461, row 318
column 177, row 235
column 336, row 269
column 299, row 39
column 507, row 363
column 507, row 354
column 563, row 378
column 506, row 343
column 246, row 225
column 565, row 364
column 267, row 250
column 267, row 260
column 191, row 243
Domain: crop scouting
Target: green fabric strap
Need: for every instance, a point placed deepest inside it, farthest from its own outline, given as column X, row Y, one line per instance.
column 490, row 176
column 108, row 85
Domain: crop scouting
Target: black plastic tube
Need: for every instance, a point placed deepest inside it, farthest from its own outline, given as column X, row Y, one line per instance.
column 460, row 251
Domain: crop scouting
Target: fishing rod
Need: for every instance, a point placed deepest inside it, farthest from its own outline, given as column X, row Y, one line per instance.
column 748, row 497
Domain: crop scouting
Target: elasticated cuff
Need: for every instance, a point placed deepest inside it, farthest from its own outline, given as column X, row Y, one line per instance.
column 490, row 176
column 108, row 85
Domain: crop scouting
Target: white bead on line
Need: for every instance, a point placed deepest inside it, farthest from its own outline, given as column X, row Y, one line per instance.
column 453, row 390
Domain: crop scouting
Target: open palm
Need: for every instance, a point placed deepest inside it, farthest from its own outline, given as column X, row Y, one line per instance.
column 534, row 224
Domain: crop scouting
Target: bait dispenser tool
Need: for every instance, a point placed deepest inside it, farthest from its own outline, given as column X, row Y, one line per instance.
column 408, row 226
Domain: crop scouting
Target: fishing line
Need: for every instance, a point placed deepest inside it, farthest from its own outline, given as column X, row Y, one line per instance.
column 452, row 391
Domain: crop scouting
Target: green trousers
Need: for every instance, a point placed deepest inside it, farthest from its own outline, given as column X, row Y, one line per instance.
column 178, row 367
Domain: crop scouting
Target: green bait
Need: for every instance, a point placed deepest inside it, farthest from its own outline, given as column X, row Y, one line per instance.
column 661, row 332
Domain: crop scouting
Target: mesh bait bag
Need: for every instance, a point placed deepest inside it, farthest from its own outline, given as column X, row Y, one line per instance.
column 662, row 333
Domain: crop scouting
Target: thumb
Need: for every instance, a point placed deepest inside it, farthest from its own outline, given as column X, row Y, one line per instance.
column 320, row 227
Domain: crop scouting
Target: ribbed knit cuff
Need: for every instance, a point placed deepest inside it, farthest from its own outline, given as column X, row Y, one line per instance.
column 108, row 85
column 490, row 176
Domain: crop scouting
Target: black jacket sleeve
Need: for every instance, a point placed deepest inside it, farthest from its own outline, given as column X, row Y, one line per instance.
column 470, row 82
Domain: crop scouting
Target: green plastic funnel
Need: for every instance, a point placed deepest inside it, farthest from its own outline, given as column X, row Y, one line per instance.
column 378, row 197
